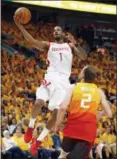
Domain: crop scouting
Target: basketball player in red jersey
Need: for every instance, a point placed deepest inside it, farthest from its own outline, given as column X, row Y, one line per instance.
column 56, row 81
column 80, row 131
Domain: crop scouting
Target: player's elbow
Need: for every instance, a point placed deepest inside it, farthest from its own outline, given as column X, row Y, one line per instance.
column 83, row 56
column 30, row 41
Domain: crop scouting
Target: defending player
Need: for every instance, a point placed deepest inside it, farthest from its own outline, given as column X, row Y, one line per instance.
column 80, row 130
column 56, row 81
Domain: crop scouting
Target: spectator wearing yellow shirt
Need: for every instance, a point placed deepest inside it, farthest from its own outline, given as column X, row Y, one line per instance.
column 18, row 137
column 11, row 146
column 108, row 137
column 47, row 143
column 25, row 111
column 102, row 126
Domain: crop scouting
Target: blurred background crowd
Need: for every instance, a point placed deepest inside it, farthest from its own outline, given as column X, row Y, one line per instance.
column 22, row 71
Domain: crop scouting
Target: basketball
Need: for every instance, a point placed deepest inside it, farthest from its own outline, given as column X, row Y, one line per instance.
column 23, row 14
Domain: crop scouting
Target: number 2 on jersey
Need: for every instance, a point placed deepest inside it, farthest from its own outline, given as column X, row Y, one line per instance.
column 86, row 98
column 60, row 56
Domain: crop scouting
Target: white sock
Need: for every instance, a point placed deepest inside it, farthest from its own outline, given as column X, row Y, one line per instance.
column 43, row 134
column 32, row 122
column 63, row 154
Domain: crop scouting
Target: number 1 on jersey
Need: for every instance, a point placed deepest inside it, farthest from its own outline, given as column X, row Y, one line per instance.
column 60, row 56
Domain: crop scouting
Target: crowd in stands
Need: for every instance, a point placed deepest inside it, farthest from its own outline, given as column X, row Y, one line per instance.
column 21, row 75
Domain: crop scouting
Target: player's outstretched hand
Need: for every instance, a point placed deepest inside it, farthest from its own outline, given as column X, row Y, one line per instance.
column 17, row 20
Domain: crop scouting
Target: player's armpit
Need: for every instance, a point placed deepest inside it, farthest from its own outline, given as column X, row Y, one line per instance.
column 105, row 103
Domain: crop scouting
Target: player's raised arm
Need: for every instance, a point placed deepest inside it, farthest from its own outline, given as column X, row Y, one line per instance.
column 105, row 103
column 41, row 45
column 79, row 51
column 76, row 48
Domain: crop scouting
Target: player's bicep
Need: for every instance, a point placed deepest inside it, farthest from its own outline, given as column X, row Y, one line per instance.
column 41, row 45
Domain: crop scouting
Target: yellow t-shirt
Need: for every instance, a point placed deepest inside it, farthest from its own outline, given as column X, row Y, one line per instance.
column 109, row 138
column 20, row 142
column 47, row 143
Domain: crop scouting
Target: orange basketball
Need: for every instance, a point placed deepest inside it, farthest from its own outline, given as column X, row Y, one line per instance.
column 24, row 15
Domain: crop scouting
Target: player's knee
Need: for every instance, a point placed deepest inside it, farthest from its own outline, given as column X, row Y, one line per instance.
column 39, row 102
column 63, row 109
column 55, row 111
column 50, row 107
